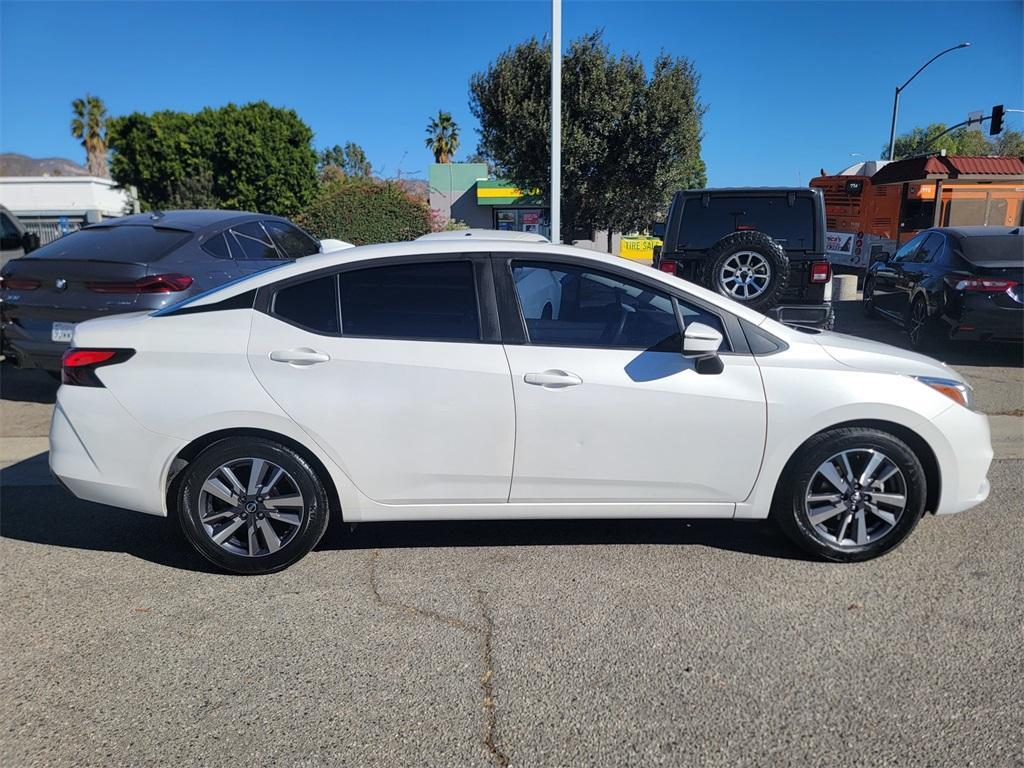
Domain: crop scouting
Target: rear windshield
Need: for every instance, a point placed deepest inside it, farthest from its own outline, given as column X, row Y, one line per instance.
column 128, row 244
column 791, row 225
column 993, row 248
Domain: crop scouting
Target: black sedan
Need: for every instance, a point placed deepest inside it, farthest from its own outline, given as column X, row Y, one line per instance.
column 141, row 262
column 952, row 283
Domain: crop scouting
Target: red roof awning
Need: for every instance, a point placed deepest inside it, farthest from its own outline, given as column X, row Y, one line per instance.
column 950, row 167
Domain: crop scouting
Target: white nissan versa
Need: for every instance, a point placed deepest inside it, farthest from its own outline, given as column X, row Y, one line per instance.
column 424, row 381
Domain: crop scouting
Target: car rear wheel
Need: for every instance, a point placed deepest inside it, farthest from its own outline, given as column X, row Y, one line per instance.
column 851, row 494
column 251, row 505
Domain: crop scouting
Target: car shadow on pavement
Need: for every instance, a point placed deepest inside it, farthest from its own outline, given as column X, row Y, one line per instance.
column 27, row 386
column 51, row 516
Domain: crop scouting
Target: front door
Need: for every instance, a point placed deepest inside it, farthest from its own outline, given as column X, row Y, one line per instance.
column 607, row 407
column 400, row 390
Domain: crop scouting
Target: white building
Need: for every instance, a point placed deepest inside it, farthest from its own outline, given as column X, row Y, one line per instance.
column 52, row 206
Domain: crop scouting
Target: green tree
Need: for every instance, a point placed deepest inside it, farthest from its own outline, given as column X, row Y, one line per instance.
column 253, row 157
column 350, row 160
column 89, row 124
column 629, row 139
column 957, row 142
column 442, row 137
column 361, row 210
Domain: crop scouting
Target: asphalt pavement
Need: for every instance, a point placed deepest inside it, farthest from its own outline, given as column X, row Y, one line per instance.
column 510, row 643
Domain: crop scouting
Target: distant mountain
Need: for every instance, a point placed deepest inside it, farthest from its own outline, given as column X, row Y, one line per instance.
column 13, row 164
column 418, row 188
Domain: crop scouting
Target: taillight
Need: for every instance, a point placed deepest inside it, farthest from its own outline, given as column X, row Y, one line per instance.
column 20, row 283
column 668, row 266
column 172, row 283
column 821, row 272
column 980, row 284
column 78, row 366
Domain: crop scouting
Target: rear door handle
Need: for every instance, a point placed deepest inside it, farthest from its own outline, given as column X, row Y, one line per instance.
column 553, row 379
column 301, row 356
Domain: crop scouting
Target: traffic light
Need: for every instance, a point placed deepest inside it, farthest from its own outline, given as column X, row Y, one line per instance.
column 996, row 126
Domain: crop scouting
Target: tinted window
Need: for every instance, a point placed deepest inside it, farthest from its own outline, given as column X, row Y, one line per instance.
column 791, row 225
column 7, row 228
column 908, row 248
column 218, row 246
column 928, row 250
column 293, row 242
column 312, row 304
column 1009, row 248
column 917, row 214
column 253, row 243
column 411, row 301
column 119, row 243
column 571, row 306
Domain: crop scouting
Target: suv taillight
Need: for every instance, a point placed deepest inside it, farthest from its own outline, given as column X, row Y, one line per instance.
column 821, row 272
column 78, row 366
column 150, row 284
column 668, row 267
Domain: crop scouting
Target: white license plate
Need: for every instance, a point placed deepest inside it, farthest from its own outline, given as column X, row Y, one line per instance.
column 62, row 331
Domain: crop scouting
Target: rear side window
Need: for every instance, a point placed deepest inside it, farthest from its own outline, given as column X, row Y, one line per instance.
column 253, row 243
column 435, row 301
column 292, row 241
column 218, row 246
column 126, row 243
column 791, row 225
column 312, row 305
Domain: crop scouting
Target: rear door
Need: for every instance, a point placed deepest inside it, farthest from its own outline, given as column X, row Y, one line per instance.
column 609, row 410
column 406, row 387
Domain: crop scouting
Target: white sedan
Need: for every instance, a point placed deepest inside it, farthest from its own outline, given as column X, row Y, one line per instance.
column 412, row 381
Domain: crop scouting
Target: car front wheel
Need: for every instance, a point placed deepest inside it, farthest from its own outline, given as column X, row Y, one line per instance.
column 851, row 494
column 251, row 505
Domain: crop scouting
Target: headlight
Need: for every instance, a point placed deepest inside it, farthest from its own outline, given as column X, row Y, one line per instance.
column 956, row 391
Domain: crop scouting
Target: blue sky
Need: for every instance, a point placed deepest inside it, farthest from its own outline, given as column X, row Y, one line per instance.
column 790, row 87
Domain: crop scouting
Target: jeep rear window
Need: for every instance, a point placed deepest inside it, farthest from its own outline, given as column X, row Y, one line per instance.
column 792, row 225
column 123, row 243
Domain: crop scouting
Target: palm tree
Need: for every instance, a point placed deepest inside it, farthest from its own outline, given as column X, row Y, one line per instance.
column 442, row 137
column 90, row 125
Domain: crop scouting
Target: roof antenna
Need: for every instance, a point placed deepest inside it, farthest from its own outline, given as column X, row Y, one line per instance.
column 156, row 215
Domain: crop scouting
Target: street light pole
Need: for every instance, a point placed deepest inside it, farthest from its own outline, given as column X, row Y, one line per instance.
column 556, row 121
column 899, row 89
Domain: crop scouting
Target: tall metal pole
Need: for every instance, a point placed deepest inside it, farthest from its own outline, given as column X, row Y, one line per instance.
column 899, row 88
column 892, row 130
column 556, row 121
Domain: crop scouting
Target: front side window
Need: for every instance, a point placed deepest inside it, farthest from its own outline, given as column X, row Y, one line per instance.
column 929, row 248
column 292, row 241
column 564, row 305
column 312, row 304
column 429, row 301
column 907, row 250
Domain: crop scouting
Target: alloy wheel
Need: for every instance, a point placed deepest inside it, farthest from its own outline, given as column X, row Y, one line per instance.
column 856, row 497
column 251, row 507
column 745, row 275
column 918, row 321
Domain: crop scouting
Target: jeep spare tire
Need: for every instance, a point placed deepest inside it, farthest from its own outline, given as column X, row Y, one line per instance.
column 748, row 267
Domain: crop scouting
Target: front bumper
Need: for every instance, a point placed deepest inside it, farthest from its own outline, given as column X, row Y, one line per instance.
column 962, row 444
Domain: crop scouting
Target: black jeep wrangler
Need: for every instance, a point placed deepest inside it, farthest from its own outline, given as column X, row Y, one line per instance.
column 762, row 246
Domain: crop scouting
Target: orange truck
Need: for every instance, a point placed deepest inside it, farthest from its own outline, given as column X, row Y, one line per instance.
column 874, row 207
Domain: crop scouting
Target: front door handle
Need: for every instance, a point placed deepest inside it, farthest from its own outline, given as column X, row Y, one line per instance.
column 300, row 356
column 553, row 379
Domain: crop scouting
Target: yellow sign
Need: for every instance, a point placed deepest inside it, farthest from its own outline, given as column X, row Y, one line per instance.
column 638, row 247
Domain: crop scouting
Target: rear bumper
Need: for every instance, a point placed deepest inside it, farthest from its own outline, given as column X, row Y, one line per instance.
column 29, row 353
column 987, row 317
column 813, row 315
column 101, row 454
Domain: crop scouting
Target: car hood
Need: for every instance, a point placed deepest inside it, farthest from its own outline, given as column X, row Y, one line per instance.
column 865, row 355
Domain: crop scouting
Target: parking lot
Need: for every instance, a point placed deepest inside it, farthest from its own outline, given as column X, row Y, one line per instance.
column 508, row 643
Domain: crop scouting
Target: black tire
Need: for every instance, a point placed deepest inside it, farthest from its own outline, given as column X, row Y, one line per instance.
column 922, row 328
column 710, row 273
column 868, row 304
column 790, row 506
column 295, row 541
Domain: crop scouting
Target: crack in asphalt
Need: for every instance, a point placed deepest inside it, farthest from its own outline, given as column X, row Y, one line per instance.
column 485, row 632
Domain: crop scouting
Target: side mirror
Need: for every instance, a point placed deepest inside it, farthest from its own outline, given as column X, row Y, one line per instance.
column 701, row 341
column 29, row 242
